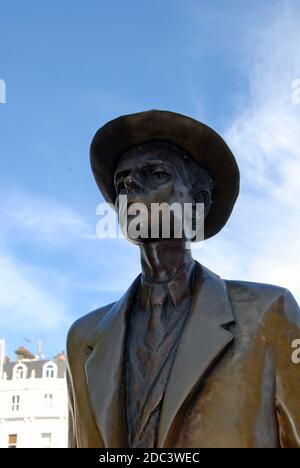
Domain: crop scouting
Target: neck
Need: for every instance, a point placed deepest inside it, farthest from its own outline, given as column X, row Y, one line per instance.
column 162, row 259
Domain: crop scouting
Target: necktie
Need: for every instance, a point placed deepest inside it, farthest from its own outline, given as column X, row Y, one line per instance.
column 156, row 328
column 153, row 355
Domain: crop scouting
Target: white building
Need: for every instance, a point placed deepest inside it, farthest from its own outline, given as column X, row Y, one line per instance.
column 33, row 402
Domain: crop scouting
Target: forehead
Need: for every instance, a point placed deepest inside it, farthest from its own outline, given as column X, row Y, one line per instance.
column 156, row 154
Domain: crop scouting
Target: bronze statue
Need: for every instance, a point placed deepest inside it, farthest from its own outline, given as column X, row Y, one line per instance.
column 184, row 358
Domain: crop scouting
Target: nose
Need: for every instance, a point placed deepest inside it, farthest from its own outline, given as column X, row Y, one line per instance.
column 131, row 184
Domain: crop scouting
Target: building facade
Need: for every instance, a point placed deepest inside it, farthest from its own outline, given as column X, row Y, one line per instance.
column 33, row 402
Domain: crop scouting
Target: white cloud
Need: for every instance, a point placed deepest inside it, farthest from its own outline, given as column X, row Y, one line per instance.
column 35, row 295
column 25, row 304
column 43, row 219
column 50, row 258
column 262, row 242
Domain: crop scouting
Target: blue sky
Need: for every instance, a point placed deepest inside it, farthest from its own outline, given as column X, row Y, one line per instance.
column 71, row 66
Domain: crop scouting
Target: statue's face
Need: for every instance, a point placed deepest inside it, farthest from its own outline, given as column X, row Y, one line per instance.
column 151, row 175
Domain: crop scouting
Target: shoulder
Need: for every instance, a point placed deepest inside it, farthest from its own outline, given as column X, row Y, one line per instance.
column 244, row 289
column 82, row 328
column 262, row 299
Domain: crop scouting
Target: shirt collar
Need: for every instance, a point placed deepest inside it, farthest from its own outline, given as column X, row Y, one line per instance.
column 178, row 288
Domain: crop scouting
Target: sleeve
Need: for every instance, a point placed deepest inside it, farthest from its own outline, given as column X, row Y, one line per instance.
column 71, row 414
column 287, row 335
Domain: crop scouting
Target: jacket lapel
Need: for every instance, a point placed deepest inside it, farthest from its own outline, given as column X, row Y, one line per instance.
column 203, row 341
column 104, row 371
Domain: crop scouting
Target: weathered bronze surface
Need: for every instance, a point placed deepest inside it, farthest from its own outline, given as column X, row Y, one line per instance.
column 184, row 358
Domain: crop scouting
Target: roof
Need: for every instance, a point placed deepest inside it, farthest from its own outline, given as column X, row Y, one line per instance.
column 37, row 366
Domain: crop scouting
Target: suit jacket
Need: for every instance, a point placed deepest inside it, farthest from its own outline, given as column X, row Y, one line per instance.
column 232, row 384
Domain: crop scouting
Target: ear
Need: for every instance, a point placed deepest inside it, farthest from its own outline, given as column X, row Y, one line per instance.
column 204, row 196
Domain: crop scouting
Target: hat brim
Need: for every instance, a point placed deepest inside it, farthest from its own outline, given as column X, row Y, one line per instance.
column 196, row 138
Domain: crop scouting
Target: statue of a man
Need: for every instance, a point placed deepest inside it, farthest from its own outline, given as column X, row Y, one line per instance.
column 184, row 358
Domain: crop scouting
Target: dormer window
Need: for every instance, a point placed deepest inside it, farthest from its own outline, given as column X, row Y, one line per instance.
column 20, row 371
column 50, row 370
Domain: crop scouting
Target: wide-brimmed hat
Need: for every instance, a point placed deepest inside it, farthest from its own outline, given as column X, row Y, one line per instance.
column 193, row 137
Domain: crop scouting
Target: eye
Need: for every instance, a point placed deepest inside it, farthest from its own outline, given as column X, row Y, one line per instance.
column 160, row 175
column 155, row 173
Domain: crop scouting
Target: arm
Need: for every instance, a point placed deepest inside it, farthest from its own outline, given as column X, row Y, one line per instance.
column 83, row 430
column 71, row 415
column 287, row 373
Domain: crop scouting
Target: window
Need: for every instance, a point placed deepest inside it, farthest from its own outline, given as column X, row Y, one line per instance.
column 20, row 371
column 46, row 440
column 50, row 370
column 48, row 400
column 12, row 441
column 15, row 403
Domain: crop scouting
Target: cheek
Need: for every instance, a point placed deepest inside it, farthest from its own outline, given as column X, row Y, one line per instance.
column 182, row 194
column 164, row 192
column 170, row 192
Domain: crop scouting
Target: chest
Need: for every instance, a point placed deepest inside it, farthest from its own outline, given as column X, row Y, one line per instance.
column 234, row 406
